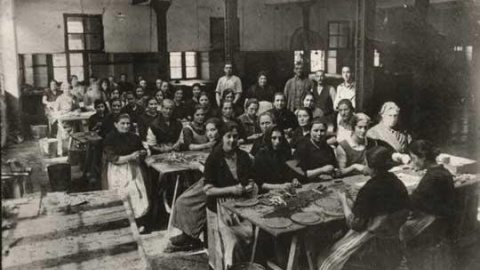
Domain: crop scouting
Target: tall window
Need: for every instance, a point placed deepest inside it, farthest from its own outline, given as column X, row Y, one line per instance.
column 317, row 59
column 184, row 65
column 83, row 34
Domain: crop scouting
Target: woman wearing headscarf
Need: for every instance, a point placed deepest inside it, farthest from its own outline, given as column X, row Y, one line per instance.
column 270, row 169
column 190, row 214
column 265, row 120
column 379, row 210
column 427, row 234
column 387, row 131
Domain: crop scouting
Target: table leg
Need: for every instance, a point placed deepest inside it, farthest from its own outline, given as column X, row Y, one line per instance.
column 255, row 241
column 170, row 219
column 293, row 254
column 308, row 253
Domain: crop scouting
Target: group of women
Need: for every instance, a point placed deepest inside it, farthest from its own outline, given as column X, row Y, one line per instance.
column 289, row 148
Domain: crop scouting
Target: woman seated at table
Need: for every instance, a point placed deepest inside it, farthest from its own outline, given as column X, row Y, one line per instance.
column 190, row 214
column 351, row 152
column 344, row 126
column 265, row 120
column 380, row 209
column 309, row 102
column 140, row 96
column 194, row 133
column 147, row 118
column 66, row 102
column 159, row 97
column 387, row 132
column 304, row 117
column 163, row 135
column 271, row 171
column 124, row 153
column 249, row 120
column 93, row 158
column 228, row 117
column 192, row 103
column 204, row 101
column 229, row 95
column 181, row 110
column 427, row 233
column 314, row 156
column 108, row 124
column 228, row 176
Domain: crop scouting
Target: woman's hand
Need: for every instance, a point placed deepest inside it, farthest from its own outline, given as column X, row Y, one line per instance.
column 211, row 144
column 238, row 190
column 176, row 146
column 359, row 167
column 296, row 183
column 342, row 197
column 328, row 169
column 135, row 155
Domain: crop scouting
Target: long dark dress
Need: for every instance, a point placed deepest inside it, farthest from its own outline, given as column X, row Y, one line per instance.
column 166, row 134
column 381, row 207
column 93, row 156
column 427, row 234
column 284, row 118
column 260, row 93
column 311, row 156
column 297, row 136
column 134, row 113
column 269, row 165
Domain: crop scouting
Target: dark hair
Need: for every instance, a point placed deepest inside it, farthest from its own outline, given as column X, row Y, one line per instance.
column 93, row 77
column 307, row 94
column 262, row 73
column 424, row 149
column 130, row 93
column 198, row 85
column 115, row 100
column 148, row 100
column 196, row 108
column 379, row 158
column 216, row 121
column 122, row 116
column 224, row 102
column 308, row 111
column 163, row 95
column 346, row 102
column 319, row 120
column 226, row 92
column 105, row 80
column 98, row 102
column 228, row 127
column 73, row 76
column 251, row 101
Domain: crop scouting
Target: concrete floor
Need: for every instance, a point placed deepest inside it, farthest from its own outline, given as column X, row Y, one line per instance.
column 459, row 135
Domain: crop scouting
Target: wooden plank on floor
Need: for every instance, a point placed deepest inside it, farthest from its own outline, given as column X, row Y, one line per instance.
column 54, row 253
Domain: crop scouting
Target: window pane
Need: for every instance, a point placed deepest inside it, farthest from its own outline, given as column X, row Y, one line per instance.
column 175, row 59
column 344, row 29
column 59, row 60
column 332, row 53
column 376, row 59
column 76, row 59
column 343, row 42
column 333, row 42
column 75, row 25
column 77, row 71
column 332, row 61
column 94, row 41
column 29, row 76
column 93, row 25
column 39, row 60
column 175, row 72
column 40, row 76
column 60, row 74
column 75, row 42
column 191, row 72
column 27, row 60
column 317, row 60
column 333, row 29
column 191, row 59
column 469, row 53
column 298, row 56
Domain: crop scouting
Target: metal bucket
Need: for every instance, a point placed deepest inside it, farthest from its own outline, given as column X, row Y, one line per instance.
column 246, row 266
column 59, row 176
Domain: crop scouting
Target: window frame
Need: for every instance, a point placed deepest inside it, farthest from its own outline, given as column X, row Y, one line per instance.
column 347, row 35
column 183, row 63
column 85, row 52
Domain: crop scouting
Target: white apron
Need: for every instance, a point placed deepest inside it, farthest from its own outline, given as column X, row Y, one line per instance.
column 127, row 179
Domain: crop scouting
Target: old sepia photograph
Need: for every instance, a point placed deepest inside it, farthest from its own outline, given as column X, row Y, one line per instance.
column 240, row 134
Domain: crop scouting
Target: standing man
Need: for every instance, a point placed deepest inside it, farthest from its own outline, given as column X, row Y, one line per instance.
column 296, row 88
column 345, row 90
column 323, row 94
column 228, row 81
